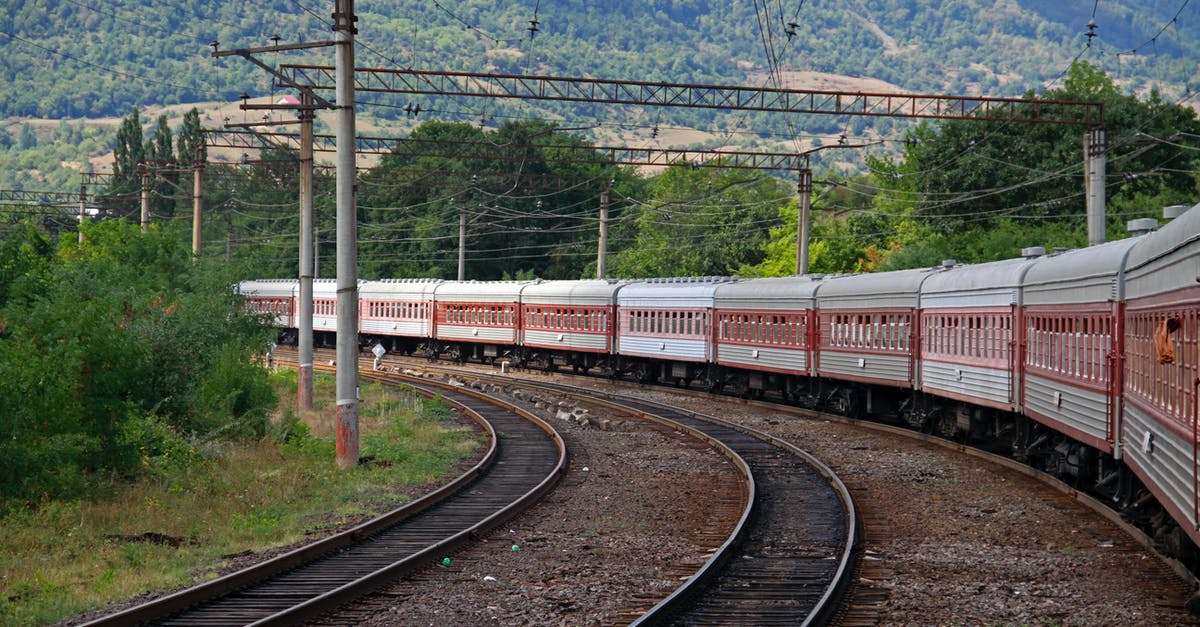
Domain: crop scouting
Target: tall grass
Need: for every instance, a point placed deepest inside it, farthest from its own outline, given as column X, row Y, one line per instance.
column 217, row 498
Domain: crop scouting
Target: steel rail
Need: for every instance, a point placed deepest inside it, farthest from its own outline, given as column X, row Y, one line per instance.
column 161, row 609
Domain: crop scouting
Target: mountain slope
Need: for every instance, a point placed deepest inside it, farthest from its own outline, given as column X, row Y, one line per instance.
column 72, row 59
column 68, row 59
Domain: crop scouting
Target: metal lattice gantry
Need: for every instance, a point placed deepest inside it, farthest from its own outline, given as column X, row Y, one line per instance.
column 22, row 198
column 978, row 108
column 247, row 140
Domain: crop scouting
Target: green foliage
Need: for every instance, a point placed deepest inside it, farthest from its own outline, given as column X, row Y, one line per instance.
column 707, row 221
column 981, row 191
column 65, row 60
column 110, row 348
column 234, row 398
column 529, row 210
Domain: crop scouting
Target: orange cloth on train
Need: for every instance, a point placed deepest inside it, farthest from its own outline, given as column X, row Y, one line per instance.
column 1162, row 340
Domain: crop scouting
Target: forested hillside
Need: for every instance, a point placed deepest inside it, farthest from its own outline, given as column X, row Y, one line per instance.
column 913, row 194
column 75, row 61
column 70, row 59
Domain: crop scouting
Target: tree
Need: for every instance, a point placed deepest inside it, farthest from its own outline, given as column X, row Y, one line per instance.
column 129, row 150
column 845, row 232
column 190, row 146
column 960, row 180
column 110, row 349
column 164, row 170
column 707, row 221
column 529, row 210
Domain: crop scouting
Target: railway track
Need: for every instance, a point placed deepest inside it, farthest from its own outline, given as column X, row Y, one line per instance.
column 526, row 459
column 792, row 554
column 865, row 602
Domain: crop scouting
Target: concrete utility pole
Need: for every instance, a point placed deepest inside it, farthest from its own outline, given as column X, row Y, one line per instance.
column 144, row 172
column 602, row 252
column 82, row 208
column 347, row 239
column 1095, row 150
column 804, row 187
column 197, row 202
column 304, row 387
column 462, row 240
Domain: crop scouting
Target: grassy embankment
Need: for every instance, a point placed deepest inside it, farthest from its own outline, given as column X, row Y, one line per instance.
column 182, row 523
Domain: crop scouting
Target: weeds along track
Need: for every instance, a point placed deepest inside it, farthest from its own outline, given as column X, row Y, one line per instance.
column 526, row 459
column 791, row 554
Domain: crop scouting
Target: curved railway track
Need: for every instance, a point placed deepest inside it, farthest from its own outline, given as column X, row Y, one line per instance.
column 791, row 556
column 526, row 459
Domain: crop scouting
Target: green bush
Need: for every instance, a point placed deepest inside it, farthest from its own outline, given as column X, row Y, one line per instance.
column 113, row 353
column 234, row 398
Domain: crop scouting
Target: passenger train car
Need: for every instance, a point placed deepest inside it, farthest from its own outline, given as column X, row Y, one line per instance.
column 1084, row 363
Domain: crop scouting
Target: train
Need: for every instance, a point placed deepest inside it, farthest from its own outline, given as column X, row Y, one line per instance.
column 1083, row 362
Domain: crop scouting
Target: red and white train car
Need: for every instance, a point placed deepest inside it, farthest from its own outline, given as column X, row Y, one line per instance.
column 1072, row 334
column 1159, row 421
column 477, row 319
column 665, row 327
column 867, row 330
column 969, row 334
column 569, row 322
column 764, row 335
column 276, row 297
column 325, row 307
column 396, row 313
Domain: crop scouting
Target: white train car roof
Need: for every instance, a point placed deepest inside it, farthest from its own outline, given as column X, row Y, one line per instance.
column 327, row 288
column 687, row 292
column 993, row 284
column 580, row 292
column 774, row 293
column 414, row 289
column 1084, row 275
column 479, row 291
column 900, row 288
column 1163, row 253
column 266, row 288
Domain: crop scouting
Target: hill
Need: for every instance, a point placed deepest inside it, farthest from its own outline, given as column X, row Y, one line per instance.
column 71, row 60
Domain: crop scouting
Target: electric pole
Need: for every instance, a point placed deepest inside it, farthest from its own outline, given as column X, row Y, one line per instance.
column 347, row 239
column 602, row 252
column 804, row 187
column 144, row 172
column 197, row 201
column 304, row 387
